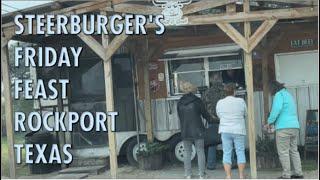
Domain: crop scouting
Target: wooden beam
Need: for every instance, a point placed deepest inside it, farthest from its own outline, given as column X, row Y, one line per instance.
column 4, row 42
column 204, row 4
column 77, row 9
column 61, row 134
column 144, row 54
column 117, row 41
column 292, row 13
column 9, row 28
column 304, row 2
column 93, row 44
column 107, row 66
column 250, row 98
column 147, row 102
column 8, row 108
column 261, row 32
column 231, row 8
column 265, row 79
column 137, row 9
column 234, row 35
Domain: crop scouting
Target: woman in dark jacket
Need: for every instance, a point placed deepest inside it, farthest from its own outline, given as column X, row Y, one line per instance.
column 190, row 109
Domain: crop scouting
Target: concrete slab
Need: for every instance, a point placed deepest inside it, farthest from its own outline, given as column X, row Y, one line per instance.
column 71, row 176
column 95, row 170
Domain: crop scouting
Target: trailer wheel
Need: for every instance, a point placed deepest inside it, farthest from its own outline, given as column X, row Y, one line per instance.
column 132, row 150
column 176, row 153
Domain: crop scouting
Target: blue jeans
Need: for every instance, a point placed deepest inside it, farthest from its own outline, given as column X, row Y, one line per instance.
column 211, row 161
column 228, row 140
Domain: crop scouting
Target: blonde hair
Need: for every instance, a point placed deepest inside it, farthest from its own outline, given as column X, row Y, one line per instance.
column 187, row 87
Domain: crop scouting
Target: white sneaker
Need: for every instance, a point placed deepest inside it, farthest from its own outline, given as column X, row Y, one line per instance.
column 203, row 176
column 188, row 177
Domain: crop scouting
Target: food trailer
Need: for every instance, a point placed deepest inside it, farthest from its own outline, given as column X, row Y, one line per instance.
column 146, row 70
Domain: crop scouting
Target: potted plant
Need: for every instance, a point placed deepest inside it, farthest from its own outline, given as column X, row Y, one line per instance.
column 151, row 157
column 267, row 155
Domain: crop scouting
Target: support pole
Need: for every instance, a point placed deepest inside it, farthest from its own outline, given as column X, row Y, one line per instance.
column 147, row 98
column 110, row 107
column 8, row 107
column 249, row 86
column 265, row 81
column 61, row 134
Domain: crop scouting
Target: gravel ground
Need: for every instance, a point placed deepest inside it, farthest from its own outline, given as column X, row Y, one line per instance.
column 175, row 171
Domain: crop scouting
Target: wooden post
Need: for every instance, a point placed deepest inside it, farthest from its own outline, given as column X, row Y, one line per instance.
column 61, row 134
column 107, row 65
column 8, row 107
column 249, row 86
column 147, row 98
column 265, row 81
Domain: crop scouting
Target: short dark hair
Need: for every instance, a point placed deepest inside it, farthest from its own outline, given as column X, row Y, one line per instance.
column 275, row 86
column 229, row 89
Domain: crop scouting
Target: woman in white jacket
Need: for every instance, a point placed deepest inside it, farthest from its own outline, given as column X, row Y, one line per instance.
column 232, row 113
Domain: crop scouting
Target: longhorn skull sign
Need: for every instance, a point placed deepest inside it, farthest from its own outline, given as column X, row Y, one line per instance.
column 172, row 11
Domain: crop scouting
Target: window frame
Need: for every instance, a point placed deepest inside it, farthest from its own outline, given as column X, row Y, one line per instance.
column 206, row 71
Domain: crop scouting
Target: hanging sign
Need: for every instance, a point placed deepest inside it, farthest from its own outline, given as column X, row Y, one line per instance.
column 301, row 43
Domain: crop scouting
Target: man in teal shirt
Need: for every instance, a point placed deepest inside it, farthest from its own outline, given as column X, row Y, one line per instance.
column 284, row 117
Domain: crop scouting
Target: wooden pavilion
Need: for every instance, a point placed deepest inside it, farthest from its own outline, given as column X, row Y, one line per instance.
column 228, row 13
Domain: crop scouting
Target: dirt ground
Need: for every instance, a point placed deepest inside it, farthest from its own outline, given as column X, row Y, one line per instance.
column 176, row 171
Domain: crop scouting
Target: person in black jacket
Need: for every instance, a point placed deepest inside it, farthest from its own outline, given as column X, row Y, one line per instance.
column 190, row 109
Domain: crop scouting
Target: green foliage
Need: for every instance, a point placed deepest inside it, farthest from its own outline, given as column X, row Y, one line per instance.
column 266, row 146
column 152, row 148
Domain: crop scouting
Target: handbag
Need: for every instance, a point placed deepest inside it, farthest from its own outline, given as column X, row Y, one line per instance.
column 212, row 136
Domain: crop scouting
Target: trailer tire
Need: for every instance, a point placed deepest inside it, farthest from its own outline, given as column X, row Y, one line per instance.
column 132, row 148
column 176, row 150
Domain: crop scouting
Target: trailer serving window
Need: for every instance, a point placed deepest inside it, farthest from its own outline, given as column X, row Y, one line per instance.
column 191, row 70
column 202, row 65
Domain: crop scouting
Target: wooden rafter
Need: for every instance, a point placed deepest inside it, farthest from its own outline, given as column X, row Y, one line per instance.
column 115, row 44
column 303, row 2
column 204, row 4
column 234, row 35
column 291, row 13
column 93, row 44
column 263, row 29
column 137, row 9
column 77, row 9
